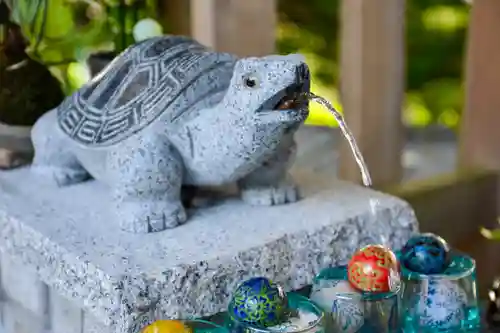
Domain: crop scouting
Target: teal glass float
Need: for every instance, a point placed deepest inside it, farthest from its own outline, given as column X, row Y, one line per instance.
column 303, row 316
column 348, row 310
column 202, row 326
column 445, row 302
column 341, row 302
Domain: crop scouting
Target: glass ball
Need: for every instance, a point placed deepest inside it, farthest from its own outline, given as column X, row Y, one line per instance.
column 426, row 254
column 374, row 268
column 167, row 326
column 258, row 302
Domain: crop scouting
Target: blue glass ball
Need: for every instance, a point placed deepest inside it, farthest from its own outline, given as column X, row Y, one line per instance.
column 258, row 302
column 426, row 254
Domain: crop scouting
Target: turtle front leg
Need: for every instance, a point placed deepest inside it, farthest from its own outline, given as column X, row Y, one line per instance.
column 271, row 184
column 53, row 159
column 147, row 178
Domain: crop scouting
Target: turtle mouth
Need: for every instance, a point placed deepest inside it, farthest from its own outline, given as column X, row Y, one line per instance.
column 294, row 97
column 288, row 107
column 291, row 98
column 288, row 103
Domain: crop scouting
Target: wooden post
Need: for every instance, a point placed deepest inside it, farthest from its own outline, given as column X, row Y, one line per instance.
column 480, row 128
column 372, row 86
column 242, row 27
column 175, row 16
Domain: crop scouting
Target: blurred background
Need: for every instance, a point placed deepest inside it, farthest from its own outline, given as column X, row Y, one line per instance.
column 435, row 38
column 63, row 34
column 435, row 41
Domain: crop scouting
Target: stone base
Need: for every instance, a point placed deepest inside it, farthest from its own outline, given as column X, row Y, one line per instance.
column 10, row 159
column 29, row 305
column 16, row 148
column 68, row 264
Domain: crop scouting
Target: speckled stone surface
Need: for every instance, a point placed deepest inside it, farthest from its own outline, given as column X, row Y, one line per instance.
column 190, row 270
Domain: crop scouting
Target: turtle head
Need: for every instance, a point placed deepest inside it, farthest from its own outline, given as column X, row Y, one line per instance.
column 271, row 90
column 253, row 123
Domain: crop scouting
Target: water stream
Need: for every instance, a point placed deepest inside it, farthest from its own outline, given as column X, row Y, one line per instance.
column 360, row 161
column 365, row 174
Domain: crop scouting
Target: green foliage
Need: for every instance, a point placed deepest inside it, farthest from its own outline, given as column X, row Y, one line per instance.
column 27, row 88
column 61, row 32
column 312, row 27
column 435, row 36
column 58, row 29
column 491, row 234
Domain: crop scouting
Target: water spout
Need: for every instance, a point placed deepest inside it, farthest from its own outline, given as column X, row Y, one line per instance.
column 365, row 174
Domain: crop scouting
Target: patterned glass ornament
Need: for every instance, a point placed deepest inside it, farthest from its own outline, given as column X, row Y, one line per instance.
column 374, row 268
column 426, row 254
column 259, row 302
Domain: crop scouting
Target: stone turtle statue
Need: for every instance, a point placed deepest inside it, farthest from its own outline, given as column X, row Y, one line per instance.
column 168, row 112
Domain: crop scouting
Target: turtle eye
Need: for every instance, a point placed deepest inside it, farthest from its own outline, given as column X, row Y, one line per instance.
column 251, row 81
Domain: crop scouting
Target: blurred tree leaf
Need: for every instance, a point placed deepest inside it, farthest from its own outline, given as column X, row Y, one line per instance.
column 492, row 234
column 60, row 31
column 434, row 53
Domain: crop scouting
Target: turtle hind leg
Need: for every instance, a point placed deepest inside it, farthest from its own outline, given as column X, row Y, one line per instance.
column 146, row 176
column 52, row 159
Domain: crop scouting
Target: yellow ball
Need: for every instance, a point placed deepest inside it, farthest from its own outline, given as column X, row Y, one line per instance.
column 167, row 326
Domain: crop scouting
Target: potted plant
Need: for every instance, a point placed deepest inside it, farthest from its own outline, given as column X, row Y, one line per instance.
column 27, row 91
column 41, row 49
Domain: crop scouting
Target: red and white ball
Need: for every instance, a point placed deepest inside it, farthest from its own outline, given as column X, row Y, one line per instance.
column 374, row 268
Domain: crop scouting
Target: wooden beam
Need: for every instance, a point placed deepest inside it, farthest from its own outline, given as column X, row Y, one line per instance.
column 485, row 253
column 175, row 16
column 454, row 205
column 480, row 134
column 372, row 86
column 242, row 27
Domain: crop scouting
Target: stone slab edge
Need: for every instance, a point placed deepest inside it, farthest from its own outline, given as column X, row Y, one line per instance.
column 63, row 271
column 203, row 288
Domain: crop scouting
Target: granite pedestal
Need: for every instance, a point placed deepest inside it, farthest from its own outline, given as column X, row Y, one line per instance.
column 67, row 267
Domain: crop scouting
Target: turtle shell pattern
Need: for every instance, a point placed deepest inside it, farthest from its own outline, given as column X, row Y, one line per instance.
column 139, row 85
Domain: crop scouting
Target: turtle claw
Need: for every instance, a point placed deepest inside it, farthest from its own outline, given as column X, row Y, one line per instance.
column 147, row 217
column 167, row 221
column 271, row 196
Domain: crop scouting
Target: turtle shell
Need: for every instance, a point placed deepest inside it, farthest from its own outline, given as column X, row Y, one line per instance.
column 148, row 79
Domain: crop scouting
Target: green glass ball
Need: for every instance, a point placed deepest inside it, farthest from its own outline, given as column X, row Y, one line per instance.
column 258, row 302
